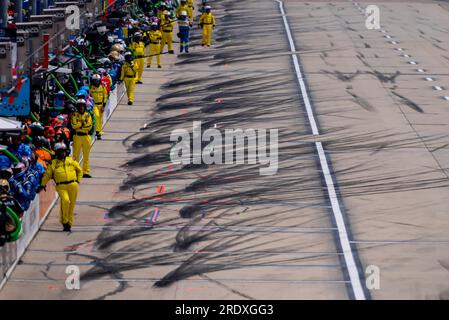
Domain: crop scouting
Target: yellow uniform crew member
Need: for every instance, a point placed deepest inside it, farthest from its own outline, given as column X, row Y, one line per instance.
column 138, row 48
column 167, row 25
column 67, row 174
column 129, row 75
column 100, row 95
column 81, row 122
column 184, row 7
column 190, row 5
column 207, row 22
column 154, row 36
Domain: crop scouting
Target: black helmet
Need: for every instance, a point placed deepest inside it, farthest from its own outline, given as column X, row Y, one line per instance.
column 128, row 56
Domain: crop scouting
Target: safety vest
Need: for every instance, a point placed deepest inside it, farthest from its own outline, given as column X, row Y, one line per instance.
column 207, row 18
column 99, row 94
column 128, row 70
column 190, row 3
column 184, row 23
column 138, row 48
column 81, row 123
column 63, row 171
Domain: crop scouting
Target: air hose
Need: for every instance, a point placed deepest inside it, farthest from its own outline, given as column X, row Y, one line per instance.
column 14, row 236
column 74, row 82
column 62, row 88
column 91, row 67
column 34, row 117
column 10, row 156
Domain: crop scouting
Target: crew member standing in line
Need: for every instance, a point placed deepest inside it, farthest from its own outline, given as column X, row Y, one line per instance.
column 81, row 122
column 167, row 25
column 207, row 22
column 154, row 37
column 191, row 7
column 100, row 95
column 186, row 8
column 138, row 48
column 129, row 75
column 184, row 31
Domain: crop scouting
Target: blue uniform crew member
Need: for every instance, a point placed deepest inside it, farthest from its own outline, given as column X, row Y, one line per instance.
column 184, row 31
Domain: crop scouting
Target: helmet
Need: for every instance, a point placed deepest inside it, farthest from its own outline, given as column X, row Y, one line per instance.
column 5, row 162
column 183, row 13
column 101, row 71
column 207, row 7
column 106, row 62
column 96, row 77
column 40, row 141
column 128, row 56
column 6, row 173
column 70, row 108
column 81, row 103
column 102, row 29
column 154, row 24
column 49, row 132
column 4, row 185
column 114, row 55
column 60, row 146
column 117, row 47
column 166, row 13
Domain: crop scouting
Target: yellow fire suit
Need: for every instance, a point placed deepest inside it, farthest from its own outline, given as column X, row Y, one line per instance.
column 155, row 37
column 129, row 75
column 67, row 175
column 207, row 21
column 187, row 9
column 190, row 5
column 139, row 52
column 100, row 96
column 82, row 124
column 167, row 25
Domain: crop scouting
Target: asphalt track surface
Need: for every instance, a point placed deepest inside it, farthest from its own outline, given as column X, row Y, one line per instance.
column 363, row 165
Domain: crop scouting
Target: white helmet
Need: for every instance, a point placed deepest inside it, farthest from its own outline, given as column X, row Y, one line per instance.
column 183, row 13
column 81, row 101
column 96, row 77
column 60, row 146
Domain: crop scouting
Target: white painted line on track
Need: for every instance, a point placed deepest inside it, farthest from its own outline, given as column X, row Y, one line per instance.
column 413, row 62
column 421, row 70
column 430, row 79
column 438, row 88
column 446, row 98
column 343, row 237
